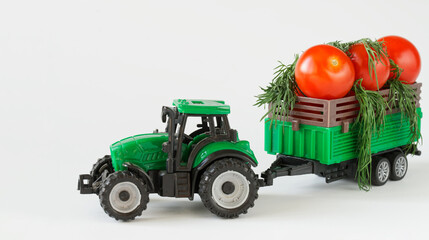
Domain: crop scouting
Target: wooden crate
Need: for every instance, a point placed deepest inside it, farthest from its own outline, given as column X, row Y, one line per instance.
column 332, row 113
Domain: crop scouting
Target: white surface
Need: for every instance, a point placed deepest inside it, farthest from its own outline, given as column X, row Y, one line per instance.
column 79, row 75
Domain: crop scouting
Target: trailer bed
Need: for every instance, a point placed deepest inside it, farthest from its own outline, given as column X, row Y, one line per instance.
column 330, row 145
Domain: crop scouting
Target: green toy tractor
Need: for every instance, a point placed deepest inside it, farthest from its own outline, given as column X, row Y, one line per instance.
column 209, row 160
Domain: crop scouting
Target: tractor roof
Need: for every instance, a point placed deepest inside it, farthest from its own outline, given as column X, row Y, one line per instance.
column 201, row 106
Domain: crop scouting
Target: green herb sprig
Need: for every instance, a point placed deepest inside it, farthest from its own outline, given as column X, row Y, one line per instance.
column 370, row 122
column 281, row 92
column 403, row 97
column 372, row 107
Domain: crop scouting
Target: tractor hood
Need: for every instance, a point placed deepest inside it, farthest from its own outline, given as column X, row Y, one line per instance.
column 144, row 150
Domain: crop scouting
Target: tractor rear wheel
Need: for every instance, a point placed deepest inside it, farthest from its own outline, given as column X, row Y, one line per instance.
column 123, row 195
column 228, row 188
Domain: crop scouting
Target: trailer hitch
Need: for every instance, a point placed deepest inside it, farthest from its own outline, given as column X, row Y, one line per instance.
column 267, row 178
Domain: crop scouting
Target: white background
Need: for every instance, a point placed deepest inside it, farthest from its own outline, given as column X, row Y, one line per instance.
column 78, row 75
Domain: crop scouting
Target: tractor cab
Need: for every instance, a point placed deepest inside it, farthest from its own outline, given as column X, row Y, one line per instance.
column 185, row 141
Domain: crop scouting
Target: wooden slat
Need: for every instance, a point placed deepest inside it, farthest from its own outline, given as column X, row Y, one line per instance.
column 313, row 100
column 347, row 107
column 306, row 107
column 343, row 100
column 346, row 114
column 305, row 114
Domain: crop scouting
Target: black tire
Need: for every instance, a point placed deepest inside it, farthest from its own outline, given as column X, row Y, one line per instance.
column 123, row 195
column 399, row 166
column 103, row 164
column 380, row 171
column 219, row 189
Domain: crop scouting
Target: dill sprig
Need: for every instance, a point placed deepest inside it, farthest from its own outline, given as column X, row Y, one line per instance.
column 370, row 121
column 403, row 97
column 372, row 108
column 375, row 50
column 281, row 92
column 343, row 46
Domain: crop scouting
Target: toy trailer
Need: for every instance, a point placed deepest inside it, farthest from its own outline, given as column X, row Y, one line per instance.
column 319, row 137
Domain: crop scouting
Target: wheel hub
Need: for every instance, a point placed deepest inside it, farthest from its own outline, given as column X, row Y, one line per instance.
column 124, row 196
column 383, row 171
column 228, row 187
column 401, row 167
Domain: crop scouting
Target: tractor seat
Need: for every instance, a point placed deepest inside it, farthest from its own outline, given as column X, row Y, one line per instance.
column 191, row 145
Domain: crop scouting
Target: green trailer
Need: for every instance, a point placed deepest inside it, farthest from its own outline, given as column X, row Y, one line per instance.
column 330, row 145
column 320, row 137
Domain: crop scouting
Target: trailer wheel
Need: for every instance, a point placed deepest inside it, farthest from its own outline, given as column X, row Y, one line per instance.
column 380, row 171
column 228, row 188
column 123, row 195
column 103, row 165
column 399, row 165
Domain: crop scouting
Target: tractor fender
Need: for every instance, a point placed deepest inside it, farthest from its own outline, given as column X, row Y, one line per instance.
column 141, row 173
column 229, row 153
column 223, row 154
column 217, row 149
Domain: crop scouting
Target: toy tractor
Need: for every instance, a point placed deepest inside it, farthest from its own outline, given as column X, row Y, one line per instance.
column 210, row 161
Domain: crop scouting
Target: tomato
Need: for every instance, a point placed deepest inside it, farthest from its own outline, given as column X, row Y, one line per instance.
column 405, row 55
column 359, row 58
column 324, row 72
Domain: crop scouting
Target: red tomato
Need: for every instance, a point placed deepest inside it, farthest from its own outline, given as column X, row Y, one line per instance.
column 405, row 55
column 324, row 72
column 359, row 58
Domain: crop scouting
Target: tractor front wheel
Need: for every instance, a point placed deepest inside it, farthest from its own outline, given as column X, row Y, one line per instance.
column 100, row 170
column 123, row 195
column 228, row 188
